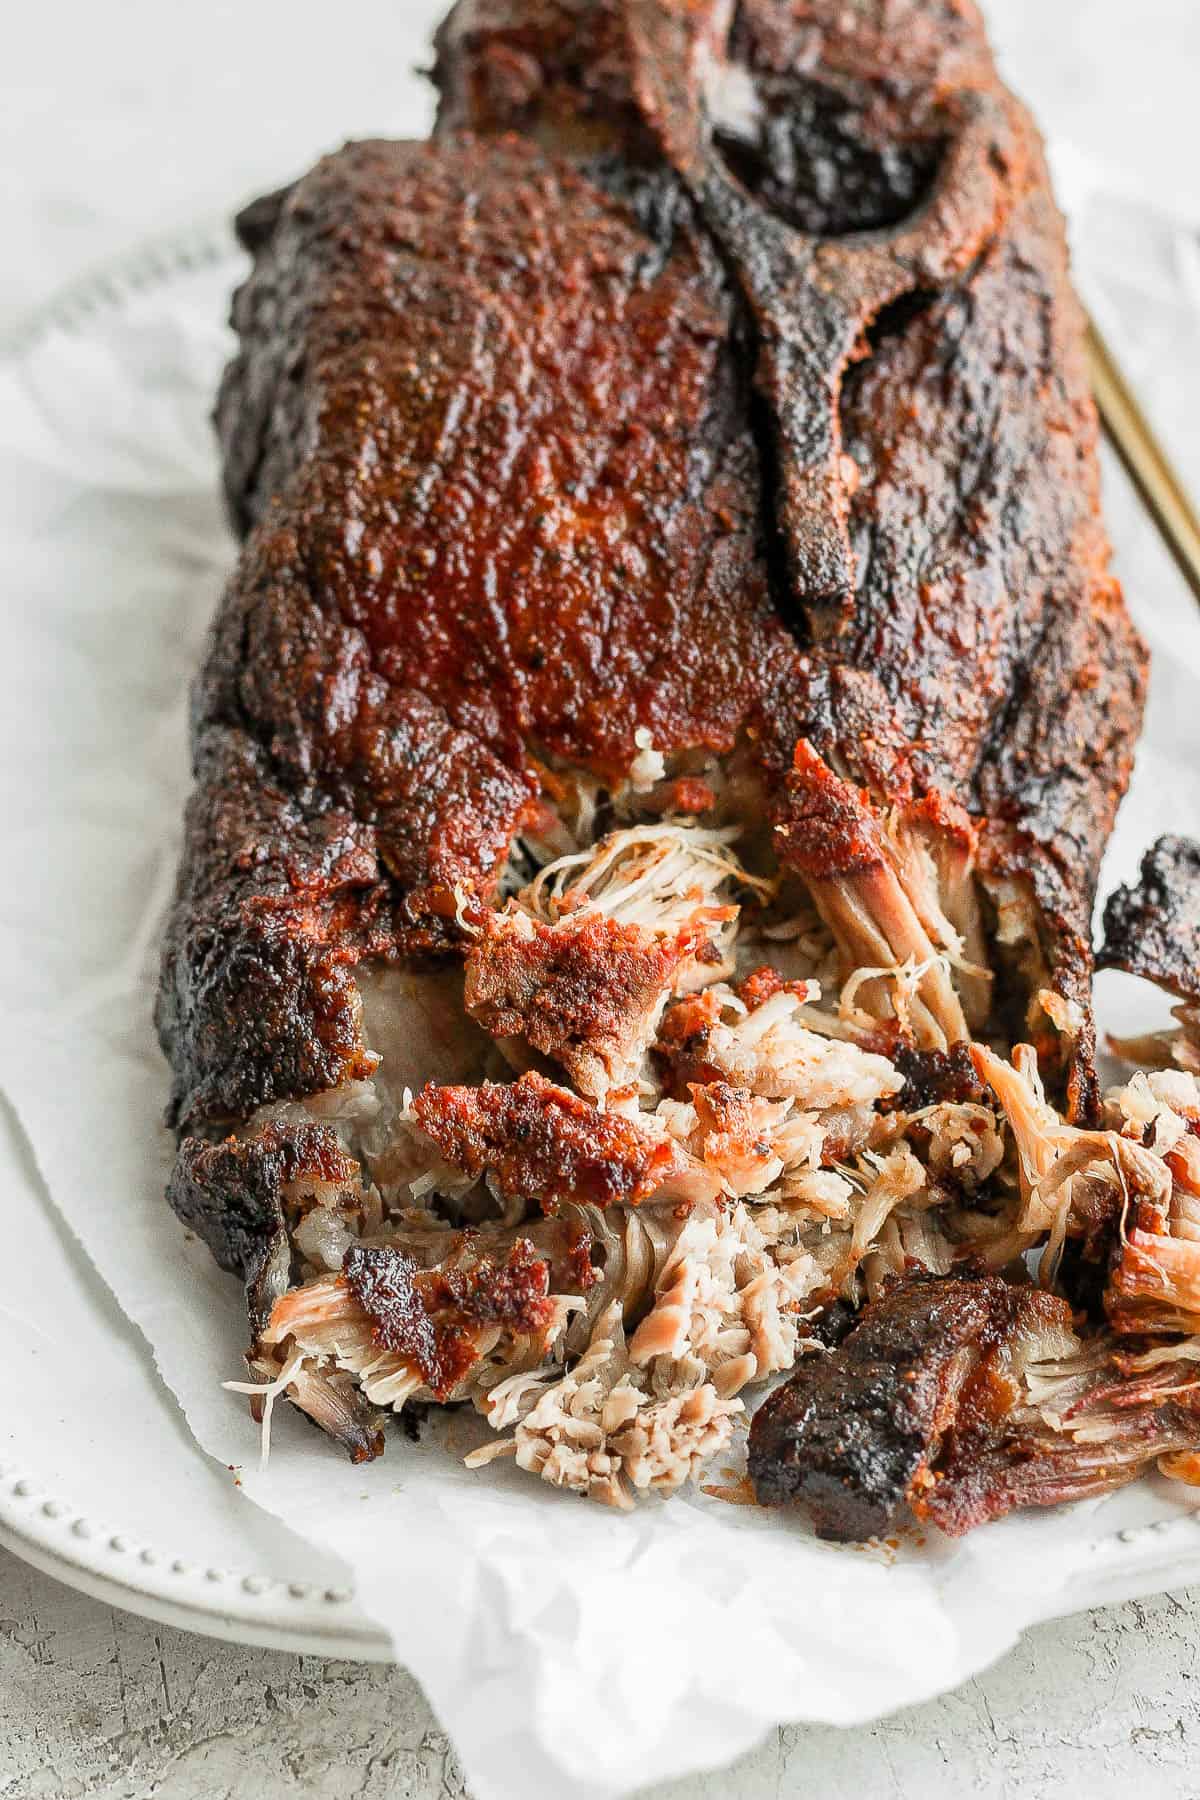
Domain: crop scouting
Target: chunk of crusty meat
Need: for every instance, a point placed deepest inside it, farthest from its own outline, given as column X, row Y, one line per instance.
column 233, row 1193
column 853, row 1430
column 431, row 1319
column 1152, row 927
column 959, row 1401
column 586, row 994
column 540, row 1142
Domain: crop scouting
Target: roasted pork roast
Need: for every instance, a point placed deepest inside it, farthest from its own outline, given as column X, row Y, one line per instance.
column 653, row 759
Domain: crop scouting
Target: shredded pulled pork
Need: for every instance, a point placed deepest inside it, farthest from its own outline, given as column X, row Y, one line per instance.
column 406, row 1332
column 605, row 1266
column 763, row 1046
column 1154, row 1284
column 642, row 1414
column 1072, row 1181
column 580, row 963
column 655, row 876
column 878, row 892
column 601, row 1433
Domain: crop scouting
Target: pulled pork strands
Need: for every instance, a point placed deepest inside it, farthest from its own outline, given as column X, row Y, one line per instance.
column 653, row 760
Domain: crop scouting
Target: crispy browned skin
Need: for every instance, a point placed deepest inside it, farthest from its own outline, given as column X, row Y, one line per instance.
column 580, row 996
column 232, row 1195
column 532, row 493
column 1153, row 929
column 849, row 1433
column 278, row 894
column 540, row 438
column 541, row 1142
column 431, row 1319
column 919, row 1410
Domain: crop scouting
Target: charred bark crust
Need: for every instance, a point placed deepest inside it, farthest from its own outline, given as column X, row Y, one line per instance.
column 574, row 421
column 1152, row 928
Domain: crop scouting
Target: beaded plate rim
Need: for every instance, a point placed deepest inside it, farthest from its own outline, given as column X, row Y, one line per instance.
column 124, row 1571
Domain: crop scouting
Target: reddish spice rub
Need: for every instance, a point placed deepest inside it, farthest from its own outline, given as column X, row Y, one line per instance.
column 829, row 829
column 541, row 1142
column 531, row 497
column 584, row 994
column 728, row 1118
column 687, row 794
column 682, row 1042
column 759, row 985
column 432, row 1319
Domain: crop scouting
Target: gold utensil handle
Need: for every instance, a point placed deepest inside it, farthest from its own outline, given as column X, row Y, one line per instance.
column 1145, row 460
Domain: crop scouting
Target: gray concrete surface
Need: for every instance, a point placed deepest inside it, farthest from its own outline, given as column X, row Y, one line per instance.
column 96, row 1703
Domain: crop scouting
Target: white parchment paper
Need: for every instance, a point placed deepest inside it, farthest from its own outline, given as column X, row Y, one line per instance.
column 565, row 1648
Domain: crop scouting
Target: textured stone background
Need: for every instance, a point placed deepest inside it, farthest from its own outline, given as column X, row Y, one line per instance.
column 95, row 1702
column 118, row 121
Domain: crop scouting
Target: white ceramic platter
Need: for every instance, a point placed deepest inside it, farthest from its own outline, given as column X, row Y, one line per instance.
column 113, row 1495
column 109, row 1492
